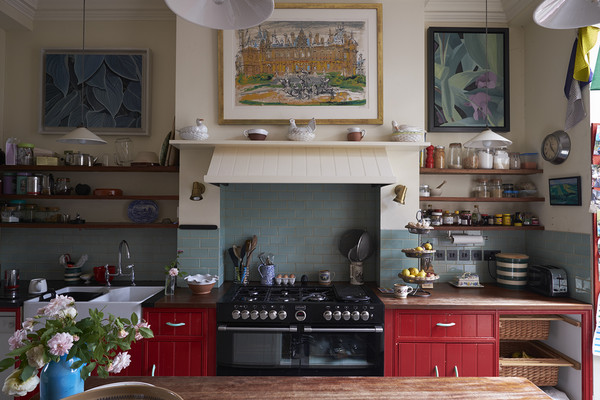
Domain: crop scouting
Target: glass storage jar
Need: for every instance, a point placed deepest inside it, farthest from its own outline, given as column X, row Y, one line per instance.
column 496, row 188
column 501, row 159
column 481, row 188
column 470, row 158
column 436, row 217
column 514, row 160
column 9, row 214
column 424, row 191
column 29, row 212
column 486, row 158
column 455, row 159
column 447, row 218
column 439, row 157
column 465, row 217
column 25, row 154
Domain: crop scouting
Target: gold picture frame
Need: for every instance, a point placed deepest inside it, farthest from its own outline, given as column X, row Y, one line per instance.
column 321, row 61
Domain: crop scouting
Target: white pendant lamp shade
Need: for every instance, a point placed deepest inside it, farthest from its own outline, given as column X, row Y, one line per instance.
column 223, row 14
column 567, row 14
column 487, row 139
column 81, row 135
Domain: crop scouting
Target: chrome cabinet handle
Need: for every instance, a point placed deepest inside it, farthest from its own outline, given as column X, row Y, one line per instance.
column 448, row 325
column 175, row 324
column 456, row 371
column 153, row 369
column 437, row 373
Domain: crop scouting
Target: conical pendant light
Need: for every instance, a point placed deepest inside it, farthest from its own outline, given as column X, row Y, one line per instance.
column 487, row 138
column 223, row 14
column 567, row 14
column 82, row 135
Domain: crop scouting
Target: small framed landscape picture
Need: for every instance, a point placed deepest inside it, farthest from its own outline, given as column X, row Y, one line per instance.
column 565, row 191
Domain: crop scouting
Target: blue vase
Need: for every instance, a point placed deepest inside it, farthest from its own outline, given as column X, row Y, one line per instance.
column 58, row 380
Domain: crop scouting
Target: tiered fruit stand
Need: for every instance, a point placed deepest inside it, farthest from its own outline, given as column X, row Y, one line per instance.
column 424, row 257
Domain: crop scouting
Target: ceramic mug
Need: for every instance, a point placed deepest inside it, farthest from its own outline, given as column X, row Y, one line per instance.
column 325, row 277
column 356, row 273
column 356, row 133
column 267, row 273
column 38, row 285
column 402, row 291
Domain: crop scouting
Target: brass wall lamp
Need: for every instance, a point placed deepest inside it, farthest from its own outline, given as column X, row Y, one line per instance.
column 197, row 191
column 400, row 191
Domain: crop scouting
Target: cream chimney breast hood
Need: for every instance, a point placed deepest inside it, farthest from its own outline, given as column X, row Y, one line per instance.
column 245, row 161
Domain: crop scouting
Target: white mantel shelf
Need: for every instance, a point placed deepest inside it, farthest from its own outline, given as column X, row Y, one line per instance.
column 266, row 161
column 180, row 144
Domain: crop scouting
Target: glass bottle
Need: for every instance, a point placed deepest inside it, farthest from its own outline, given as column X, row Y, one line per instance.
column 456, row 218
column 496, row 188
column 455, row 160
column 475, row 215
column 447, row 218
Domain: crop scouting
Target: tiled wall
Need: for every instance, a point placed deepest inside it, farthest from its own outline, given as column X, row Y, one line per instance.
column 35, row 252
column 300, row 224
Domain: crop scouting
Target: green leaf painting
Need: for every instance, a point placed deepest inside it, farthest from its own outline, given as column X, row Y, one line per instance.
column 467, row 90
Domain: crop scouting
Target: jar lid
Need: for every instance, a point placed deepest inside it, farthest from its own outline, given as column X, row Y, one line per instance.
column 439, row 147
column 436, row 213
column 18, row 202
column 27, row 145
column 455, row 145
column 424, row 186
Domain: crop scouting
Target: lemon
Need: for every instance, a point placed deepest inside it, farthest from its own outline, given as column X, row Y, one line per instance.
column 422, row 274
column 411, row 276
column 414, row 271
column 428, row 246
column 516, row 354
column 419, row 248
column 405, row 272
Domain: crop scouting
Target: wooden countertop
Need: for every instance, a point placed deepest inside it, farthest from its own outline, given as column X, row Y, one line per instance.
column 338, row 388
column 491, row 297
column 443, row 296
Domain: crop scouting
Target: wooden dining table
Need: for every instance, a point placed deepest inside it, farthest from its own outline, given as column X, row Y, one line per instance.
column 337, row 388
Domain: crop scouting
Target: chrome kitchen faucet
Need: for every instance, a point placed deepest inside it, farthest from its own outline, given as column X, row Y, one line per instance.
column 119, row 267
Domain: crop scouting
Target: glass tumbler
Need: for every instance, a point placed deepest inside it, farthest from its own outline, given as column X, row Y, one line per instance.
column 124, row 154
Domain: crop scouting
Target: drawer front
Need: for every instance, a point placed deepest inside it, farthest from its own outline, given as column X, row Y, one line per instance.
column 177, row 323
column 445, row 325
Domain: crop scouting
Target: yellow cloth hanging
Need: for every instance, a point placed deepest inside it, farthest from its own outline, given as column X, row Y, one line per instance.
column 586, row 40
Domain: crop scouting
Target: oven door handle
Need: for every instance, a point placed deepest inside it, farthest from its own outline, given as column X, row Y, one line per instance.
column 225, row 328
column 374, row 329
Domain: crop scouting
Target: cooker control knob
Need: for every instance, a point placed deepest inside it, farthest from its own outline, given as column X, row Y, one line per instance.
column 254, row 314
column 235, row 314
column 337, row 315
column 365, row 315
column 300, row 315
column 264, row 314
column 245, row 314
column 346, row 315
column 282, row 314
column 327, row 315
column 272, row 314
column 355, row 315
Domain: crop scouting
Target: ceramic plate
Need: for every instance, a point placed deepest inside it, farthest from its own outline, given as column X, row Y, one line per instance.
column 142, row 211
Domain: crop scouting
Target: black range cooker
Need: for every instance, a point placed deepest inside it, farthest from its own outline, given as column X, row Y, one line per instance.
column 306, row 330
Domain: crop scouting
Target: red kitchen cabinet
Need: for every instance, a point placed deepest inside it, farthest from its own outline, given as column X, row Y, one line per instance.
column 438, row 343
column 183, row 344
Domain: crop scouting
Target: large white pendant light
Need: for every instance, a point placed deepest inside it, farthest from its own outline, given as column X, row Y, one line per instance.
column 223, row 14
column 567, row 14
column 487, row 138
column 82, row 135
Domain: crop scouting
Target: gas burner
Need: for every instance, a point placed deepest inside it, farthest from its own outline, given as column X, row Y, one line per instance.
column 284, row 293
column 248, row 299
column 315, row 297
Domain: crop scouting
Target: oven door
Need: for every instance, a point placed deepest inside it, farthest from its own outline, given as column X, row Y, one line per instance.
column 341, row 351
column 264, row 350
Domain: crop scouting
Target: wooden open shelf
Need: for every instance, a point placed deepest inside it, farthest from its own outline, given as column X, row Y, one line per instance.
column 74, row 168
column 89, row 197
column 462, row 171
column 484, row 199
column 488, row 228
column 88, row 225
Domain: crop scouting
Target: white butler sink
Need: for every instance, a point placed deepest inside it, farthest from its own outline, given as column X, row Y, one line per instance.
column 121, row 301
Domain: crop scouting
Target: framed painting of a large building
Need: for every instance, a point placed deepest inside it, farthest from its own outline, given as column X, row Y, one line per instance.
column 306, row 61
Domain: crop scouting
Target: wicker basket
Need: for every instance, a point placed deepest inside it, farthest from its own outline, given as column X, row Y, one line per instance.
column 524, row 329
column 540, row 375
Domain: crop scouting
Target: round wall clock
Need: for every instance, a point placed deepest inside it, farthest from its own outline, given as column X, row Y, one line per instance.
column 556, row 147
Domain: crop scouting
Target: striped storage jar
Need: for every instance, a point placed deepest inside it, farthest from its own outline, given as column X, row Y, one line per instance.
column 511, row 270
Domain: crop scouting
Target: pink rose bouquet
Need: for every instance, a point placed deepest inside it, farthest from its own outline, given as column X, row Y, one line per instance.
column 101, row 343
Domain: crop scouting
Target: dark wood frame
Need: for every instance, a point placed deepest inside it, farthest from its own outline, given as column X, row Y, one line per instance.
column 431, row 84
